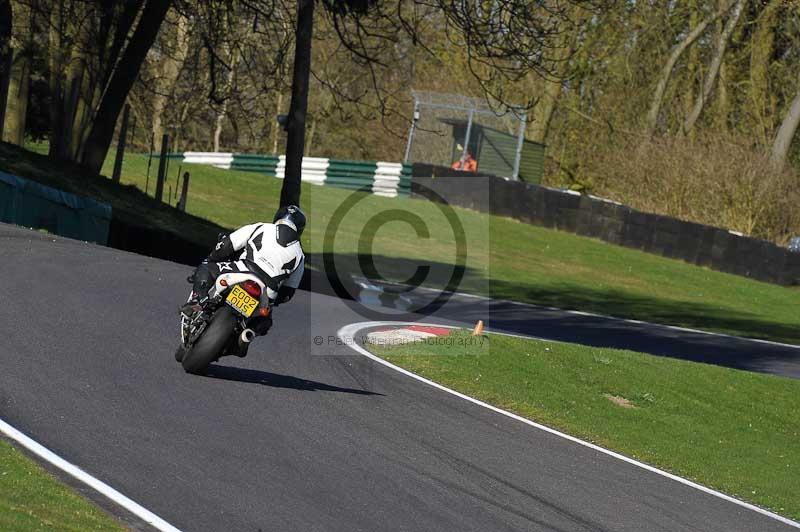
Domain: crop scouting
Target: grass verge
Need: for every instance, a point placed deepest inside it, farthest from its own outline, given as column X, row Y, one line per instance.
column 505, row 258
column 31, row 499
column 731, row 430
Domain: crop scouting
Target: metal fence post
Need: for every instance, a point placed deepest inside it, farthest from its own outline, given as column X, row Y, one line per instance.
column 411, row 131
column 466, row 138
column 520, row 139
column 162, row 167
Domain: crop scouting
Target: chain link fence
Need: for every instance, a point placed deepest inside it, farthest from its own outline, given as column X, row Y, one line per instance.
column 465, row 133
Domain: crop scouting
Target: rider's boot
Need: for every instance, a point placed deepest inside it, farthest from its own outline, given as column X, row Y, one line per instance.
column 191, row 306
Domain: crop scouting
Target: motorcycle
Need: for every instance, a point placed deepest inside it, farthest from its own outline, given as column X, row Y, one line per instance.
column 219, row 325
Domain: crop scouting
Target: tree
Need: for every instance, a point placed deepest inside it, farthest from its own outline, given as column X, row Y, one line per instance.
column 761, row 50
column 172, row 56
column 669, row 66
column 789, row 125
column 85, row 39
column 295, row 127
column 120, row 83
column 714, row 66
column 504, row 41
column 18, row 81
column 6, row 55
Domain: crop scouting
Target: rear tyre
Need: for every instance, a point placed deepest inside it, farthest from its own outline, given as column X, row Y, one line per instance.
column 211, row 343
column 179, row 353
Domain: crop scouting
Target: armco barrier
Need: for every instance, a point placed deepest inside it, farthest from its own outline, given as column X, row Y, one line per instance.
column 264, row 164
column 220, row 160
column 618, row 224
column 391, row 179
column 351, row 174
column 313, row 169
column 382, row 178
column 30, row 204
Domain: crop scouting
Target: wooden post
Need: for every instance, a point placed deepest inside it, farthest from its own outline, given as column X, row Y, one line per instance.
column 123, row 138
column 150, row 161
column 162, row 168
column 184, row 192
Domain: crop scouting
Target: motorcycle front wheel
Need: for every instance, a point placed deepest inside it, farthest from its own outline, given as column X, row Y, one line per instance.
column 211, row 343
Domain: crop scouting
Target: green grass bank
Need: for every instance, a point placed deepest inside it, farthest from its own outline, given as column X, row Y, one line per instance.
column 32, row 500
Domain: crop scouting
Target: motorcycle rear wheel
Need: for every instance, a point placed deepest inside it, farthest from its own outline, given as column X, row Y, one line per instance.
column 179, row 353
column 209, row 346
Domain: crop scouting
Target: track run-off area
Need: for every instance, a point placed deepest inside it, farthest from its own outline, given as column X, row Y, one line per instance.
column 305, row 433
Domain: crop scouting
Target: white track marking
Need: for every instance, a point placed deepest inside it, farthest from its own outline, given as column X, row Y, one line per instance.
column 101, row 487
column 594, row 315
column 347, row 335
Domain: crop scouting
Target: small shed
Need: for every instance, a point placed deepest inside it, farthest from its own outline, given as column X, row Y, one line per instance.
column 495, row 151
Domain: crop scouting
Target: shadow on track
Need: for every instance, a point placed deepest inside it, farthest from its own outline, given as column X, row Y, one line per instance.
column 658, row 307
column 275, row 380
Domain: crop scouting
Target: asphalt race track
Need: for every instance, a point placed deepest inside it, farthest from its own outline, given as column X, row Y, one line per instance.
column 295, row 437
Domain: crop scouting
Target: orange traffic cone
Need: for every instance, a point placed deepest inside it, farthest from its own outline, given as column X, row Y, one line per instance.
column 478, row 330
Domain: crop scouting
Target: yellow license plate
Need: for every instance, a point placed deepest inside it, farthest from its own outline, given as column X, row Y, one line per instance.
column 242, row 301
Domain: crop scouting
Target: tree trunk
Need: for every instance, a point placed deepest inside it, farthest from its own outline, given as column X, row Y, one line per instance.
column 669, row 66
column 6, row 55
column 81, row 97
column 722, row 103
column 19, row 76
column 274, row 124
column 182, row 115
column 17, row 103
column 222, row 113
column 761, row 47
column 713, row 69
column 543, row 111
column 114, row 27
column 168, row 72
column 783, row 140
column 693, row 58
column 120, row 83
column 310, row 139
column 295, row 141
column 55, row 65
column 76, row 105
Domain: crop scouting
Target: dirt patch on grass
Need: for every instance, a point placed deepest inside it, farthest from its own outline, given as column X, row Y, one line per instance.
column 619, row 401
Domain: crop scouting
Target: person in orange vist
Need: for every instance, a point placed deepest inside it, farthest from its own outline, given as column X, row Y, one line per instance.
column 469, row 165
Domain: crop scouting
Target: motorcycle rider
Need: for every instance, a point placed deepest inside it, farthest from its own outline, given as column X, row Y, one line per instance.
column 270, row 250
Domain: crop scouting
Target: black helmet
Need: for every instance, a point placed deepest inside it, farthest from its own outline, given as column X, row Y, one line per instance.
column 291, row 215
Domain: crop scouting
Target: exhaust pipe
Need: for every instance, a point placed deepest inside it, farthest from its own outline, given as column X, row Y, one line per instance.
column 244, row 341
column 247, row 336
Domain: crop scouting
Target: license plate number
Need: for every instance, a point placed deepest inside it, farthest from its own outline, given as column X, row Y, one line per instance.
column 242, row 301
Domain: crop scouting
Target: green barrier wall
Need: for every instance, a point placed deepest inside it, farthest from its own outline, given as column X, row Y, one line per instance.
column 30, row 204
column 404, row 187
column 350, row 174
column 265, row 164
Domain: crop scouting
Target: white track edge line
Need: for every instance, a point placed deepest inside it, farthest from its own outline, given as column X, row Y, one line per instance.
column 347, row 335
column 101, row 487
